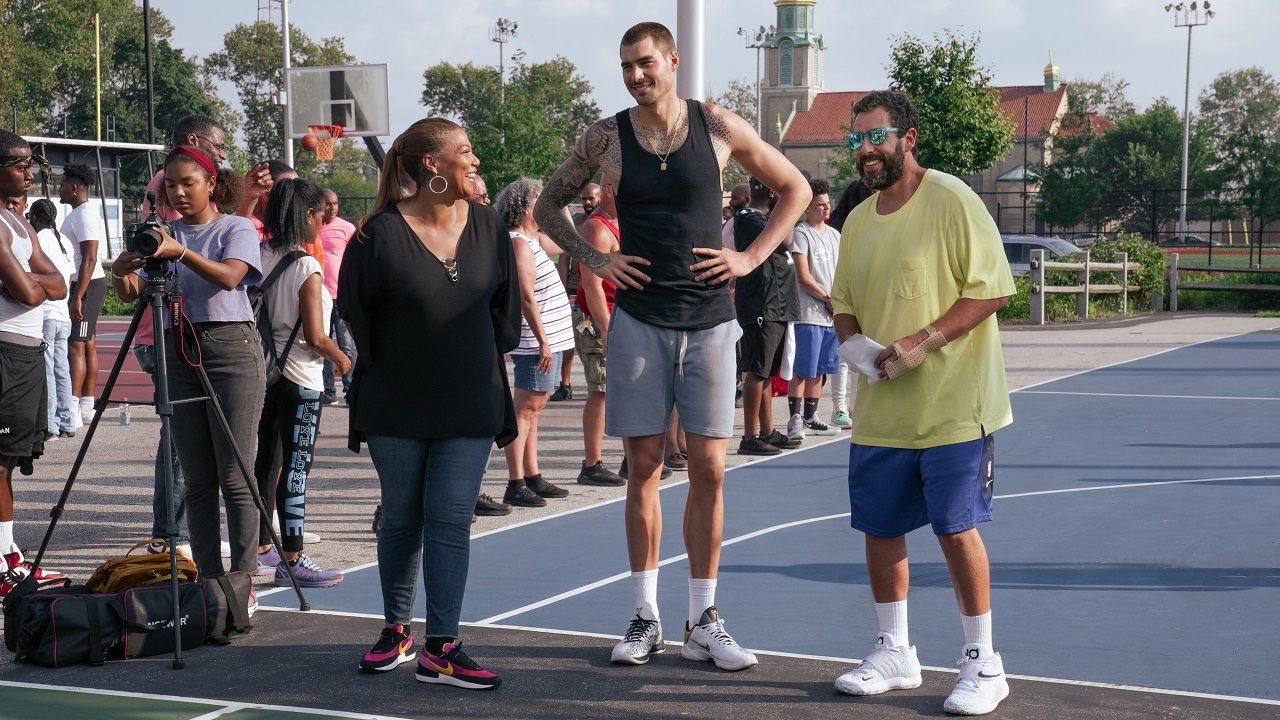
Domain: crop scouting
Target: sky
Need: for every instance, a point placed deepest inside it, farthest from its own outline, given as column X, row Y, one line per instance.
column 1134, row 39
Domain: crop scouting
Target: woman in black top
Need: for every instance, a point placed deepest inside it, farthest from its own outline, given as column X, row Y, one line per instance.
column 430, row 292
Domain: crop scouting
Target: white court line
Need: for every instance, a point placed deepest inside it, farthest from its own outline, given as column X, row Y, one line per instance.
column 1118, row 363
column 668, row 561
column 848, row 661
column 775, row 528
column 225, row 706
column 592, row 506
column 1139, row 395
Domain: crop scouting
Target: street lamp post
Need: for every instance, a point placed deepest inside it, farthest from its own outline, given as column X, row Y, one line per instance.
column 1190, row 17
column 501, row 33
column 761, row 37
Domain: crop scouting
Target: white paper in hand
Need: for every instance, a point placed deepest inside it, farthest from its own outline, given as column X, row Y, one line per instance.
column 859, row 352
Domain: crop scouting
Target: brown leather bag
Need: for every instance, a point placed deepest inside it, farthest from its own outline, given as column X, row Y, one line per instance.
column 129, row 571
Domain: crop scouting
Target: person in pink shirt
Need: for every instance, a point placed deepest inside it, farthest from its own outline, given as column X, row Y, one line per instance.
column 334, row 236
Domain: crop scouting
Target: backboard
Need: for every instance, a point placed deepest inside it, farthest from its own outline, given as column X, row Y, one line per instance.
column 353, row 96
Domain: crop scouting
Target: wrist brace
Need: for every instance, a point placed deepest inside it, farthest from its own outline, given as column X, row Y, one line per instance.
column 911, row 360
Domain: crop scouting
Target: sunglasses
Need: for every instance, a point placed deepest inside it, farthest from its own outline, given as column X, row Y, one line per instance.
column 876, row 136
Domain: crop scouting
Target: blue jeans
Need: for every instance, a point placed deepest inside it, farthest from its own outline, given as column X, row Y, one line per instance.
column 57, row 372
column 429, row 490
column 338, row 331
column 146, row 355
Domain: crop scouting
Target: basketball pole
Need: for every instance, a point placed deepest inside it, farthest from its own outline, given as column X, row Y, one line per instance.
column 691, row 22
column 284, row 93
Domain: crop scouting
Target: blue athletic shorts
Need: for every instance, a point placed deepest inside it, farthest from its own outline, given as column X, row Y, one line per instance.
column 528, row 378
column 815, row 351
column 894, row 491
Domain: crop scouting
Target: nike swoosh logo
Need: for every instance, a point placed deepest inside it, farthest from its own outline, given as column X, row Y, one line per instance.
column 704, row 646
column 446, row 669
column 984, row 675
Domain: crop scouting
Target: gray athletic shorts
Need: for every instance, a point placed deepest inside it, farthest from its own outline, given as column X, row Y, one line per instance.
column 653, row 369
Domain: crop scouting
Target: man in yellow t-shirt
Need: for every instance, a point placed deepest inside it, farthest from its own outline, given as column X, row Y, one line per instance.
column 922, row 271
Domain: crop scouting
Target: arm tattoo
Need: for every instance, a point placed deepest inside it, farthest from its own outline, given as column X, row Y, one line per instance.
column 596, row 145
column 721, row 135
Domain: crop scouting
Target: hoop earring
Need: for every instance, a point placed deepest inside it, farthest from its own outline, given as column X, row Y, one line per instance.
column 431, row 184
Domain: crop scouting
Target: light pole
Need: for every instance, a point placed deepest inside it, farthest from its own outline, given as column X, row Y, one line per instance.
column 501, row 33
column 761, row 37
column 1189, row 17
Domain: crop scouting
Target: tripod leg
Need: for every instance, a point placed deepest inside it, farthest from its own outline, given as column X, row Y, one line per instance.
column 56, row 512
column 164, row 408
column 249, row 480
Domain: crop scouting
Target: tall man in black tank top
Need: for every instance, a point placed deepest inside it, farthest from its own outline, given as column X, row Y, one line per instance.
column 671, row 342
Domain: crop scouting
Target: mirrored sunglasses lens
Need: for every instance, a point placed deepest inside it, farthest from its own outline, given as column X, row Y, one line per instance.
column 877, row 136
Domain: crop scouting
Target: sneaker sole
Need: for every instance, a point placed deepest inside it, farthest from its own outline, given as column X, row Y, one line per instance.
column 309, row 583
column 602, row 483
column 625, row 659
column 688, row 652
column 553, row 496
column 400, row 660
column 438, row 679
column 761, row 453
column 492, row 513
column 1004, row 693
column 895, row 684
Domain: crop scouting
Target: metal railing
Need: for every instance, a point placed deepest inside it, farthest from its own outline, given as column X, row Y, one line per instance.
column 1084, row 286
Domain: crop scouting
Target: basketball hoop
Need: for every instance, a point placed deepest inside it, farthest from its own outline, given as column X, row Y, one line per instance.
column 326, row 136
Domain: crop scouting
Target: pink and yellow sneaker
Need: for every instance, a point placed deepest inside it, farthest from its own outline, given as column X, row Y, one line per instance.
column 453, row 667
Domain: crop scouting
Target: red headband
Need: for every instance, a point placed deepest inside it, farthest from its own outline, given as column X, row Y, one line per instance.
column 201, row 159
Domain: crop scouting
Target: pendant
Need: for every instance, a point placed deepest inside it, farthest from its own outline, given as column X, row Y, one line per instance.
column 663, row 166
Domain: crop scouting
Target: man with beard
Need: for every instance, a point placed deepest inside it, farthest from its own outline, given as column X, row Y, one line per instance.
column 922, row 270
column 673, row 331
column 570, row 277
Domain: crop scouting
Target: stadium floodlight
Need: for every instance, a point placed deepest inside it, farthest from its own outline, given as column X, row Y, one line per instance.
column 761, row 37
column 1189, row 17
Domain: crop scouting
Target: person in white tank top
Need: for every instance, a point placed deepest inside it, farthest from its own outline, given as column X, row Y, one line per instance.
column 27, row 279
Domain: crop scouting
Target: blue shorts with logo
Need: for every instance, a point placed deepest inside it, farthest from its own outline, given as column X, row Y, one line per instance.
column 893, row 491
column 815, row 351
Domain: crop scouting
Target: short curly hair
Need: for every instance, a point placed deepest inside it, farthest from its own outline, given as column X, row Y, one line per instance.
column 819, row 187
column 79, row 173
column 516, row 199
column 902, row 113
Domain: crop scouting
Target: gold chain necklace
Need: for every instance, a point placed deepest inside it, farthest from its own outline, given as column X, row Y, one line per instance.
column 671, row 139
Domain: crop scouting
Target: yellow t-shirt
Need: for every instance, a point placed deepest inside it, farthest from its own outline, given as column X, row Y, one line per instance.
column 900, row 272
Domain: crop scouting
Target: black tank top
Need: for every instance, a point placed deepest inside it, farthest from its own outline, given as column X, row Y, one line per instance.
column 663, row 215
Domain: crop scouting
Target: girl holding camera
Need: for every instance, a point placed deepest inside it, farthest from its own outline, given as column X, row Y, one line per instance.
column 216, row 257
column 299, row 307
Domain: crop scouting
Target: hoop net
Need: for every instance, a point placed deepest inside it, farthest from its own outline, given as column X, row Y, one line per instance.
column 326, row 136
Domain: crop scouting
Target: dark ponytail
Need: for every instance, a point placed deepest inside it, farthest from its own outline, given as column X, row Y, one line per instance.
column 286, row 215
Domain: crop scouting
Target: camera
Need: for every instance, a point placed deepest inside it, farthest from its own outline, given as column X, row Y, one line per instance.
column 144, row 237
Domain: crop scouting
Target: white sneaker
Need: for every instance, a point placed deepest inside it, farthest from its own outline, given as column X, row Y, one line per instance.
column 887, row 667
column 86, row 411
column 77, row 420
column 795, row 427
column 643, row 638
column 708, row 641
column 982, row 684
column 817, row 427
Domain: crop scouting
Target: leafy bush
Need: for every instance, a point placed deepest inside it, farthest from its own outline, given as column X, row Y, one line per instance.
column 113, row 305
column 1150, row 280
column 1233, row 301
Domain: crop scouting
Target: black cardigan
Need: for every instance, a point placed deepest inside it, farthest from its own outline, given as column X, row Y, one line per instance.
column 430, row 351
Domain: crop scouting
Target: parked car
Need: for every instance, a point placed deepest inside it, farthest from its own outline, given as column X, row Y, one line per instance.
column 1017, row 248
column 1187, row 241
column 1084, row 240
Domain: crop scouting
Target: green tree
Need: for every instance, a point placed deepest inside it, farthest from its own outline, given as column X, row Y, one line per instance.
column 1240, row 123
column 547, row 106
column 740, row 97
column 1107, row 96
column 1139, row 163
column 54, row 91
column 962, row 130
column 251, row 61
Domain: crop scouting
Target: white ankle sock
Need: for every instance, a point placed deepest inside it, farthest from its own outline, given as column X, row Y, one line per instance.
column 977, row 629
column 702, row 595
column 644, row 586
column 892, row 617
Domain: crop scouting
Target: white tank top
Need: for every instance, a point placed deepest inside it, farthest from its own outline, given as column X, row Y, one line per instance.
column 16, row 317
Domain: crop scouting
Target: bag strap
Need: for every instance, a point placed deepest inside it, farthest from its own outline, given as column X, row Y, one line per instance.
column 280, row 267
column 288, row 345
column 239, row 610
column 93, row 615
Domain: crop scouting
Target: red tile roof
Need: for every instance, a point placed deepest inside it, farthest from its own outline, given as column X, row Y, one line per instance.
column 824, row 122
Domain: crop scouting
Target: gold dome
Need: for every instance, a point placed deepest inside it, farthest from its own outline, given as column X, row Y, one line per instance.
column 1051, row 69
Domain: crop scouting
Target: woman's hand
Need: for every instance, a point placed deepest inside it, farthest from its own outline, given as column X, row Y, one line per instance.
column 127, row 263
column 544, row 358
column 344, row 364
column 169, row 248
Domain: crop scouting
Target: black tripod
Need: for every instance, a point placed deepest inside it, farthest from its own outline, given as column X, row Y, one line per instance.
column 155, row 295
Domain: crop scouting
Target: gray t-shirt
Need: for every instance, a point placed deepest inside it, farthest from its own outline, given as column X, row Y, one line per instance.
column 820, row 246
column 230, row 237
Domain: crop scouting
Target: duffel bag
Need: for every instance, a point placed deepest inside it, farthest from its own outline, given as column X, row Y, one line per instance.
column 227, row 598
column 147, row 617
column 56, row 629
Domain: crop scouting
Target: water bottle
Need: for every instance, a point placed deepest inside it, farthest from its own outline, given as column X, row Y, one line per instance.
column 124, row 412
